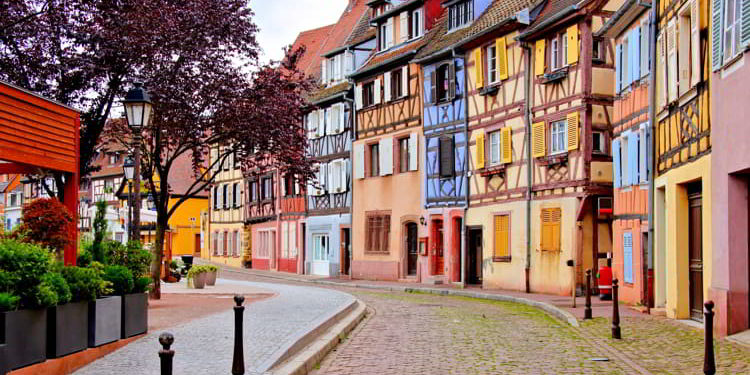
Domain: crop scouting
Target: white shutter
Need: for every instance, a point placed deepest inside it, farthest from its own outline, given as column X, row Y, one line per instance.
column 672, row 77
column 695, row 58
column 342, row 118
column 323, row 122
column 358, row 96
column 376, row 91
column 344, row 179
column 389, row 33
column 330, row 177
column 285, row 239
column 348, row 62
column 413, row 151
column 643, row 152
column 322, row 174
column 387, row 86
column 645, row 41
column 323, row 71
column 386, row 156
column 359, row 161
column 661, row 71
column 293, row 240
column 404, row 29
column 337, row 68
column 405, row 80
column 296, row 185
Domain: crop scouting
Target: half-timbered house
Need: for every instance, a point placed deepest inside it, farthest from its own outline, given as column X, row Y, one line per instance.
column 682, row 136
column 631, row 135
column 388, row 165
column 330, row 126
column 569, row 103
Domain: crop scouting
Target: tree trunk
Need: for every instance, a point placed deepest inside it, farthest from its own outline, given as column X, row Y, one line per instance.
column 158, row 252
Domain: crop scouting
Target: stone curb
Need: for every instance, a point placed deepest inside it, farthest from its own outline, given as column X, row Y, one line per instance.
column 546, row 307
column 305, row 360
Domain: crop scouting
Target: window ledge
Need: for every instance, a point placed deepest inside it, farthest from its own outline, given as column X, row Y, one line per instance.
column 492, row 170
column 505, row 259
column 554, row 159
column 555, row 76
column 368, row 252
column 492, row 89
column 688, row 95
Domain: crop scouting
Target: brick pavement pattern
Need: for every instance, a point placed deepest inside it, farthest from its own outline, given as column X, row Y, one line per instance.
column 204, row 346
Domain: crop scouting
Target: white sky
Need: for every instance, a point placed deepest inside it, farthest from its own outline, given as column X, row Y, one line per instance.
column 280, row 21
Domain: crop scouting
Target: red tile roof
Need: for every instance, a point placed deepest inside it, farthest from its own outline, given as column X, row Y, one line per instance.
column 313, row 40
column 380, row 58
column 346, row 25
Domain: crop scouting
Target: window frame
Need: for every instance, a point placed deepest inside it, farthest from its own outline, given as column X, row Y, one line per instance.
column 397, row 91
column 491, row 64
column 368, row 94
column 374, row 158
column 416, row 24
column 732, row 29
column 602, row 150
column 377, row 239
column 490, row 135
column 403, row 154
column 382, row 36
column 559, row 128
column 554, row 53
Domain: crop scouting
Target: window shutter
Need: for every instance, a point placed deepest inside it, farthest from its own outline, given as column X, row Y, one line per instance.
column 507, row 135
column 285, row 239
column 348, row 62
column 376, row 91
column 323, row 77
column 662, row 84
column 539, row 57
column 633, row 158
column 501, row 236
column 717, row 31
column 323, row 121
column 387, row 86
column 538, row 139
column 572, row 34
column 385, row 149
column 479, row 157
column 572, row 126
column 405, row 80
column 627, row 246
column 359, row 161
column 745, row 23
column 695, row 40
column 322, row 179
column 618, row 68
column 358, row 96
column 330, row 178
column 673, row 79
column 501, row 58
column 452, row 80
column 330, row 125
column 636, row 40
column 293, row 240
column 645, row 42
column 413, row 151
column 616, row 171
column 478, row 71
column 433, row 88
column 447, row 160
column 642, row 154
column 389, row 38
column 551, row 229
column 342, row 118
column 404, row 26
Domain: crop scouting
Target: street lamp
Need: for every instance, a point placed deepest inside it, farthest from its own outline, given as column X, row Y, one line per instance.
column 138, row 112
column 128, row 168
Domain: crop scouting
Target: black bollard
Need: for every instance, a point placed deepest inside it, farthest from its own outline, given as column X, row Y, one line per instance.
column 587, row 311
column 238, row 362
column 615, row 312
column 709, row 364
column 166, row 354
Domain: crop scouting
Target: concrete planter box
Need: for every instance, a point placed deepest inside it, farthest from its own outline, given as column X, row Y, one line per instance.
column 105, row 320
column 199, row 280
column 67, row 329
column 4, row 369
column 25, row 337
column 211, row 278
column 134, row 314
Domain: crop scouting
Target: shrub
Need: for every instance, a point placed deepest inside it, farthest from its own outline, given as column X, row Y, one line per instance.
column 84, row 258
column 211, row 268
column 195, row 270
column 8, row 302
column 47, row 222
column 173, row 265
column 45, row 295
column 142, row 284
column 133, row 256
column 100, row 230
column 24, row 266
column 58, row 284
column 84, row 283
column 121, row 279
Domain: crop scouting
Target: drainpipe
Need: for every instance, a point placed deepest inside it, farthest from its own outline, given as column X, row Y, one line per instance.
column 466, row 171
column 650, row 146
column 352, row 132
column 529, row 163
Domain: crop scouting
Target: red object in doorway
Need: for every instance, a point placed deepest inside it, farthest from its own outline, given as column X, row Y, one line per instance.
column 605, row 281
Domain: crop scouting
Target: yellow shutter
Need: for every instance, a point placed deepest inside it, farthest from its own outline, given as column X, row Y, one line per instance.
column 572, row 44
column 539, row 57
column 478, row 71
column 480, row 150
column 538, row 139
column 551, row 229
column 501, row 236
column 572, row 131
column 501, row 58
column 507, row 144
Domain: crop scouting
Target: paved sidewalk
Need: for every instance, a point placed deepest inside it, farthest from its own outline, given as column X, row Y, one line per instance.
column 205, row 346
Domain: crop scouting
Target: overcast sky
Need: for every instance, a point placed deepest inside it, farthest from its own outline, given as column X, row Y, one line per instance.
column 280, row 21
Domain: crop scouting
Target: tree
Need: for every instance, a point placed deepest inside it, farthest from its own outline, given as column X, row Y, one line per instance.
column 100, row 230
column 46, row 222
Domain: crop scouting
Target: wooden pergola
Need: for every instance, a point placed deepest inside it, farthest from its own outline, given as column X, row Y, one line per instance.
column 38, row 134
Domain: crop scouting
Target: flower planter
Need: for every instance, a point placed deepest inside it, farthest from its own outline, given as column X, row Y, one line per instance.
column 67, row 329
column 134, row 314
column 25, row 333
column 199, row 280
column 211, row 278
column 105, row 320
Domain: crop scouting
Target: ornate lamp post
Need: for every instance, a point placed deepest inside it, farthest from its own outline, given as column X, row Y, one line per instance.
column 138, row 112
column 128, row 166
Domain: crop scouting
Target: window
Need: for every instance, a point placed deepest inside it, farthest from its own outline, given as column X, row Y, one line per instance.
column 597, row 53
column 224, row 196
column 491, row 66
column 460, row 14
column 377, row 231
column 625, row 158
column 267, row 245
column 337, row 174
column 383, row 37
column 289, row 185
column 444, row 86
column 554, row 54
column 114, row 158
column 267, row 192
column 254, row 190
column 502, row 238
column 368, row 94
column 495, row 148
column 320, row 247
column 599, row 143
column 447, row 157
column 403, row 155
column 235, row 195
column 415, row 25
column 397, row 90
column 215, row 240
column 564, row 51
column 558, row 137
column 732, row 21
column 550, row 240
column 627, row 256
column 689, row 41
column 374, row 160
column 235, row 243
column 216, row 197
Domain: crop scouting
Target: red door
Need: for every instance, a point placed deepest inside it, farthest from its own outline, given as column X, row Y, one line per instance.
column 438, row 241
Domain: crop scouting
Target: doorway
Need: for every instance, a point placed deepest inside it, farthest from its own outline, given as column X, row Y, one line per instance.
column 437, row 235
column 695, row 245
column 474, row 262
column 344, row 250
column 411, row 249
column 197, row 246
column 319, row 262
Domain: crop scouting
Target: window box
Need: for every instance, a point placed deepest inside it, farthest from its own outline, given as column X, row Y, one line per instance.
column 553, row 159
column 494, row 170
column 555, row 76
column 505, row 259
column 489, row 90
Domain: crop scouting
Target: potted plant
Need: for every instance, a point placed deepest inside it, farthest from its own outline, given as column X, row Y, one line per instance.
column 68, row 324
column 26, row 294
column 105, row 312
column 197, row 274
column 8, row 302
column 136, row 261
column 135, row 308
column 211, row 272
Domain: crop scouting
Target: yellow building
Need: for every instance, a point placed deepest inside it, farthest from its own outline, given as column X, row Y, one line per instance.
column 682, row 145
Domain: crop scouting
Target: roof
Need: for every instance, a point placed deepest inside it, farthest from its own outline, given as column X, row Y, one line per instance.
column 313, row 40
column 182, row 175
column 344, row 27
column 362, row 31
column 552, row 11
column 320, row 95
column 3, row 186
column 396, row 9
column 381, row 59
column 623, row 17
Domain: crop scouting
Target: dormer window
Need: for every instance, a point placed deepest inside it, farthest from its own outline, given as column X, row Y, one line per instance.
column 383, row 37
column 460, row 13
column 416, row 26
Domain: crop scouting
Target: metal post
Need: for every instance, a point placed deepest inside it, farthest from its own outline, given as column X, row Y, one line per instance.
column 238, row 362
column 137, row 183
column 130, row 210
column 166, row 354
column 709, row 364
column 615, row 312
column 587, row 310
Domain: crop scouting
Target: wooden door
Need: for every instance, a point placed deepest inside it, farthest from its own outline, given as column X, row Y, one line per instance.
column 344, row 251
column 411, row 249
column 197, row 246
column 695, row 233
column 439, row 260
column 474, row 270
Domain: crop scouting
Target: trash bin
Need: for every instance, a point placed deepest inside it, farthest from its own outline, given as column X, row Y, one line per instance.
column 188, row 260
column 605, row 283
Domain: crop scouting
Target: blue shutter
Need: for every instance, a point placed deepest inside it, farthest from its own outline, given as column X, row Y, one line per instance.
column 631, row 56
column 633, row 158
column 616, row 160
column 637, row 53
column 627, row 255
column 618, row 68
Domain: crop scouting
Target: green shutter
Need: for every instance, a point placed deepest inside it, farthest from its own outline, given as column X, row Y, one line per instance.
column 717, row 27
column 745, row 21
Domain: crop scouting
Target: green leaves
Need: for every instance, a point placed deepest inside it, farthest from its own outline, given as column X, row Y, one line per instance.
column 121, row 279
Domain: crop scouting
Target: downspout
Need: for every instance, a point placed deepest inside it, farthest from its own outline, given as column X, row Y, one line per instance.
column 466, row 170
column 529, row 163
column 353, row 106
column 650, row 146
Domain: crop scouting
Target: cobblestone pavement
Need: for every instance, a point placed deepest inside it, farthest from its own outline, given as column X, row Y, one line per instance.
column 204, row 346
